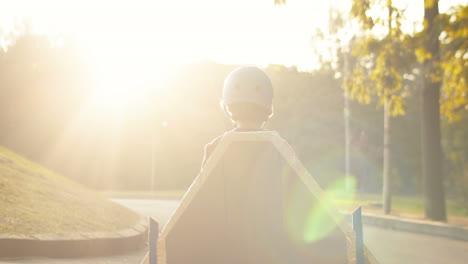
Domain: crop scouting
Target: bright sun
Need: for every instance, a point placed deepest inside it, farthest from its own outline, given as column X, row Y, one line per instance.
column 123, row 81
column 131, row 44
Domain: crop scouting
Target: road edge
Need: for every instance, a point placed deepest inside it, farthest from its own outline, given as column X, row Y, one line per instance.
column 414, row 225
column 75, row 246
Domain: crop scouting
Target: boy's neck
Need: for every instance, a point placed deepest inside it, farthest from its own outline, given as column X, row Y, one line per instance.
column 249, row 126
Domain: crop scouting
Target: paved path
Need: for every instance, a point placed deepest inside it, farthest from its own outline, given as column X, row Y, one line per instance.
column 389, row 246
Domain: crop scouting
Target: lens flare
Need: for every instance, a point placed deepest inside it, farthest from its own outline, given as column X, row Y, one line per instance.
column 318, row 224
column 307, row 218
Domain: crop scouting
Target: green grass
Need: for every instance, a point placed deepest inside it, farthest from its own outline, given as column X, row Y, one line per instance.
column 35, row 200
column 403, row 205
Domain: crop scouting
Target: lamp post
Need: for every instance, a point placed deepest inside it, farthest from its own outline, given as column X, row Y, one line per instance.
column 345, row 41
column 346, row 115
column 153, row 162
column 341, row 30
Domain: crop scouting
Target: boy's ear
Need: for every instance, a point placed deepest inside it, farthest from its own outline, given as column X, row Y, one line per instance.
column 225, row 108
column 221, row 104
column 271, row 112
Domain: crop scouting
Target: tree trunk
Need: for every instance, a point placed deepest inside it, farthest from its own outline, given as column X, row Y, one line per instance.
column 434, row 201
column 386, row 188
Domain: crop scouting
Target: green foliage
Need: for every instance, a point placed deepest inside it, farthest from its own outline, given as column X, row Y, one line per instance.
column 452, row 71
column 381, row 62
column 454, row 63
column 359, row 86
column 360, row 10
column 429, row 3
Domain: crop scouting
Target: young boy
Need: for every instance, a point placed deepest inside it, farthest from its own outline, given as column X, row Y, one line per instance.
column 248, row 101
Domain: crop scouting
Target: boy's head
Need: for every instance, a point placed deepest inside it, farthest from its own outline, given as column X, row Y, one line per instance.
column 248, row 97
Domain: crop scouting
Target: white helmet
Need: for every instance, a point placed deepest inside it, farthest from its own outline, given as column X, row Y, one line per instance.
column 248, row 84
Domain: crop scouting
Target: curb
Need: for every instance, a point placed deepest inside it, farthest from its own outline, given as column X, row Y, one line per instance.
column 73, row 246
column 413, row 225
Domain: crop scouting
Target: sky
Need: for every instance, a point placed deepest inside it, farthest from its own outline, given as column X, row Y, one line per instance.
column 132, row 45
column 182, row 31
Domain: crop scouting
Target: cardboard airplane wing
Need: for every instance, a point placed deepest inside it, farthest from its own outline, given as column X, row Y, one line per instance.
column 254, row 202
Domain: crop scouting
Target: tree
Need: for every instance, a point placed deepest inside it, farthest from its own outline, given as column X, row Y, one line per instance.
column 383, row 59
column 444, row 84
column 454, row 98
column 434, row 201
column 445, row 89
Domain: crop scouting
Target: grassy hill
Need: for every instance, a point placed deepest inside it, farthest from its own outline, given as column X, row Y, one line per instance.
column 35, row 200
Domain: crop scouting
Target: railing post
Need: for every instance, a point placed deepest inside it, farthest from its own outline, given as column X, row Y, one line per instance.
column 357, row 226
column 153, row 238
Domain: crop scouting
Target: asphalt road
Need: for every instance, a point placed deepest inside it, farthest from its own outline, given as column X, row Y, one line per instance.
column 388, row 246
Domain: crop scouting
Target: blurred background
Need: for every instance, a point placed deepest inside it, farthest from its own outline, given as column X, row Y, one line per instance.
column 123, row 95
